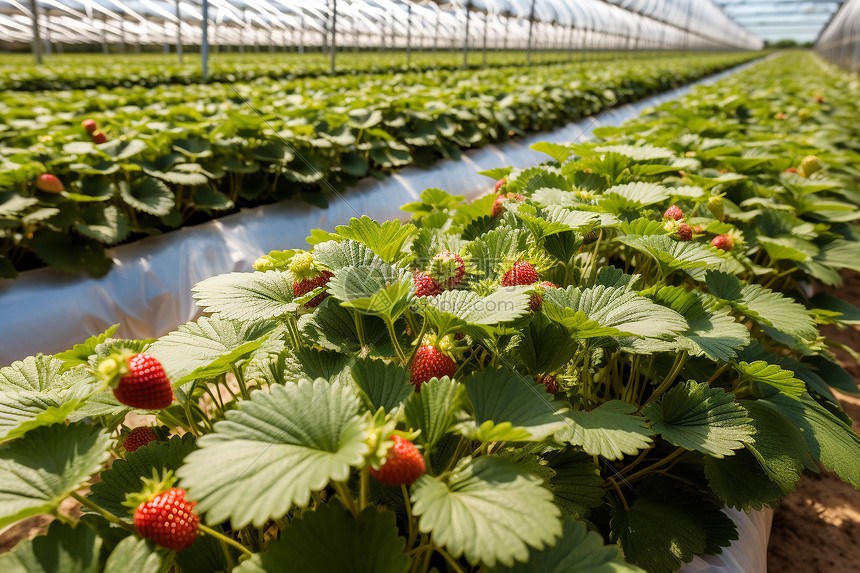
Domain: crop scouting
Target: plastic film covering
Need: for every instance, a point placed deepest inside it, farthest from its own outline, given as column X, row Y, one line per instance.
column 495, row 24
column 839, row 42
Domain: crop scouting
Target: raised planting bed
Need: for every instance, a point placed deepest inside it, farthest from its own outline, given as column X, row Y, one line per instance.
column 179, row 155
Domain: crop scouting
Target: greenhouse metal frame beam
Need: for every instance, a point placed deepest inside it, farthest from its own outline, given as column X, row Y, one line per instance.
column 597, row 24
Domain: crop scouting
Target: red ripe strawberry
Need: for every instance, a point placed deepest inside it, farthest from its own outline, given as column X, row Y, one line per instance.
column 536, row 300
column 305, row 286
column 49, row 184
column 791, row 170
column 550, row 383
column 685, row 233
column 724, row 242
column 819, row 99
column 430, row 362
column 145, row 385
column 779, row 115
column 89, row 125
column 522, row 273
column 499, row 207
column 403, row 464
column 448, row 269
column 425, row 285
column 168, row 520
column 674, row 212
column 139, row 437
column 499, row 184
column 99, row 137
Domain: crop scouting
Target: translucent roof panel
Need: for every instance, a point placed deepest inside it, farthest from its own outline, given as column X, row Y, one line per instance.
column 600, row 23
column 839, row 41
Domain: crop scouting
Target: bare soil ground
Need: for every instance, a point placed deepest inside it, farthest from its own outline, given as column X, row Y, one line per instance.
column 816, row 529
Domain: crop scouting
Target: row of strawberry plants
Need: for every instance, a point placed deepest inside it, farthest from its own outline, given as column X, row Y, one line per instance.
column 150, row 160
column 575, row 372
column 87, row 71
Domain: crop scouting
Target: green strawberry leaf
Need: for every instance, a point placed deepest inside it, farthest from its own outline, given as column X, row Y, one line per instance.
column 288, row 443
column 432, row 410
column 487, row 509
column 666, row 526
column 711, row 333
column 770, row 465
column 610, row 430
column 771, row 308
column 247, row 296
column 578, row 550
column 333, row 327
column 385, row 239
column 772, row 375
column 509, row 407
column 617, row 308
column 124, row 476
column 148, row 195
column 697, row 417
column 673, row 255
column 335, row 255
column 383, row 384
column 41, row 469
column 368, row 543
column 830, row 440
column 63, row 548
column 576, row 482
column 207, row 348
column 135, row 555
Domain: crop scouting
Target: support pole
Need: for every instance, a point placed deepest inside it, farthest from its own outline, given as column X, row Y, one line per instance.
column 486, row 25
column 204, row 41
column 531, row 25
column 408, row 33
column 47, row 34
column 436, row 37
column 105, row 49
column 466, row 38
column 333, row 35
column 37, row 40
column 178, row 33
column 507, row 25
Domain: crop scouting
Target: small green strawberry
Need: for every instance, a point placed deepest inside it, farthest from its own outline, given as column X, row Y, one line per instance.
column 715, row 206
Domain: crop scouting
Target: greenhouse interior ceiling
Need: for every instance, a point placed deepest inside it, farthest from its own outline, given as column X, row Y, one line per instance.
column 299, row 25
column 497, row 24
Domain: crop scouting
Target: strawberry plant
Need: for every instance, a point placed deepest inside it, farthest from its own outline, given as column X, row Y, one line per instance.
column 659, row 379
column 158, row 158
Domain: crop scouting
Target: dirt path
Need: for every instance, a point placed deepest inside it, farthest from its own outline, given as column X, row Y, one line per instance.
column 816, row 529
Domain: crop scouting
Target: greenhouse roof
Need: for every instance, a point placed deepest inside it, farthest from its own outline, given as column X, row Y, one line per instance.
column 154, row 21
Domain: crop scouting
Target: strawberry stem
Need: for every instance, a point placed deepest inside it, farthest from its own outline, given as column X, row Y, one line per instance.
column 103, row 512
column 221, row 537
column 412, row 532
column 364, row 490
column 400, row 354
column 346, row 497
column 451, row 561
